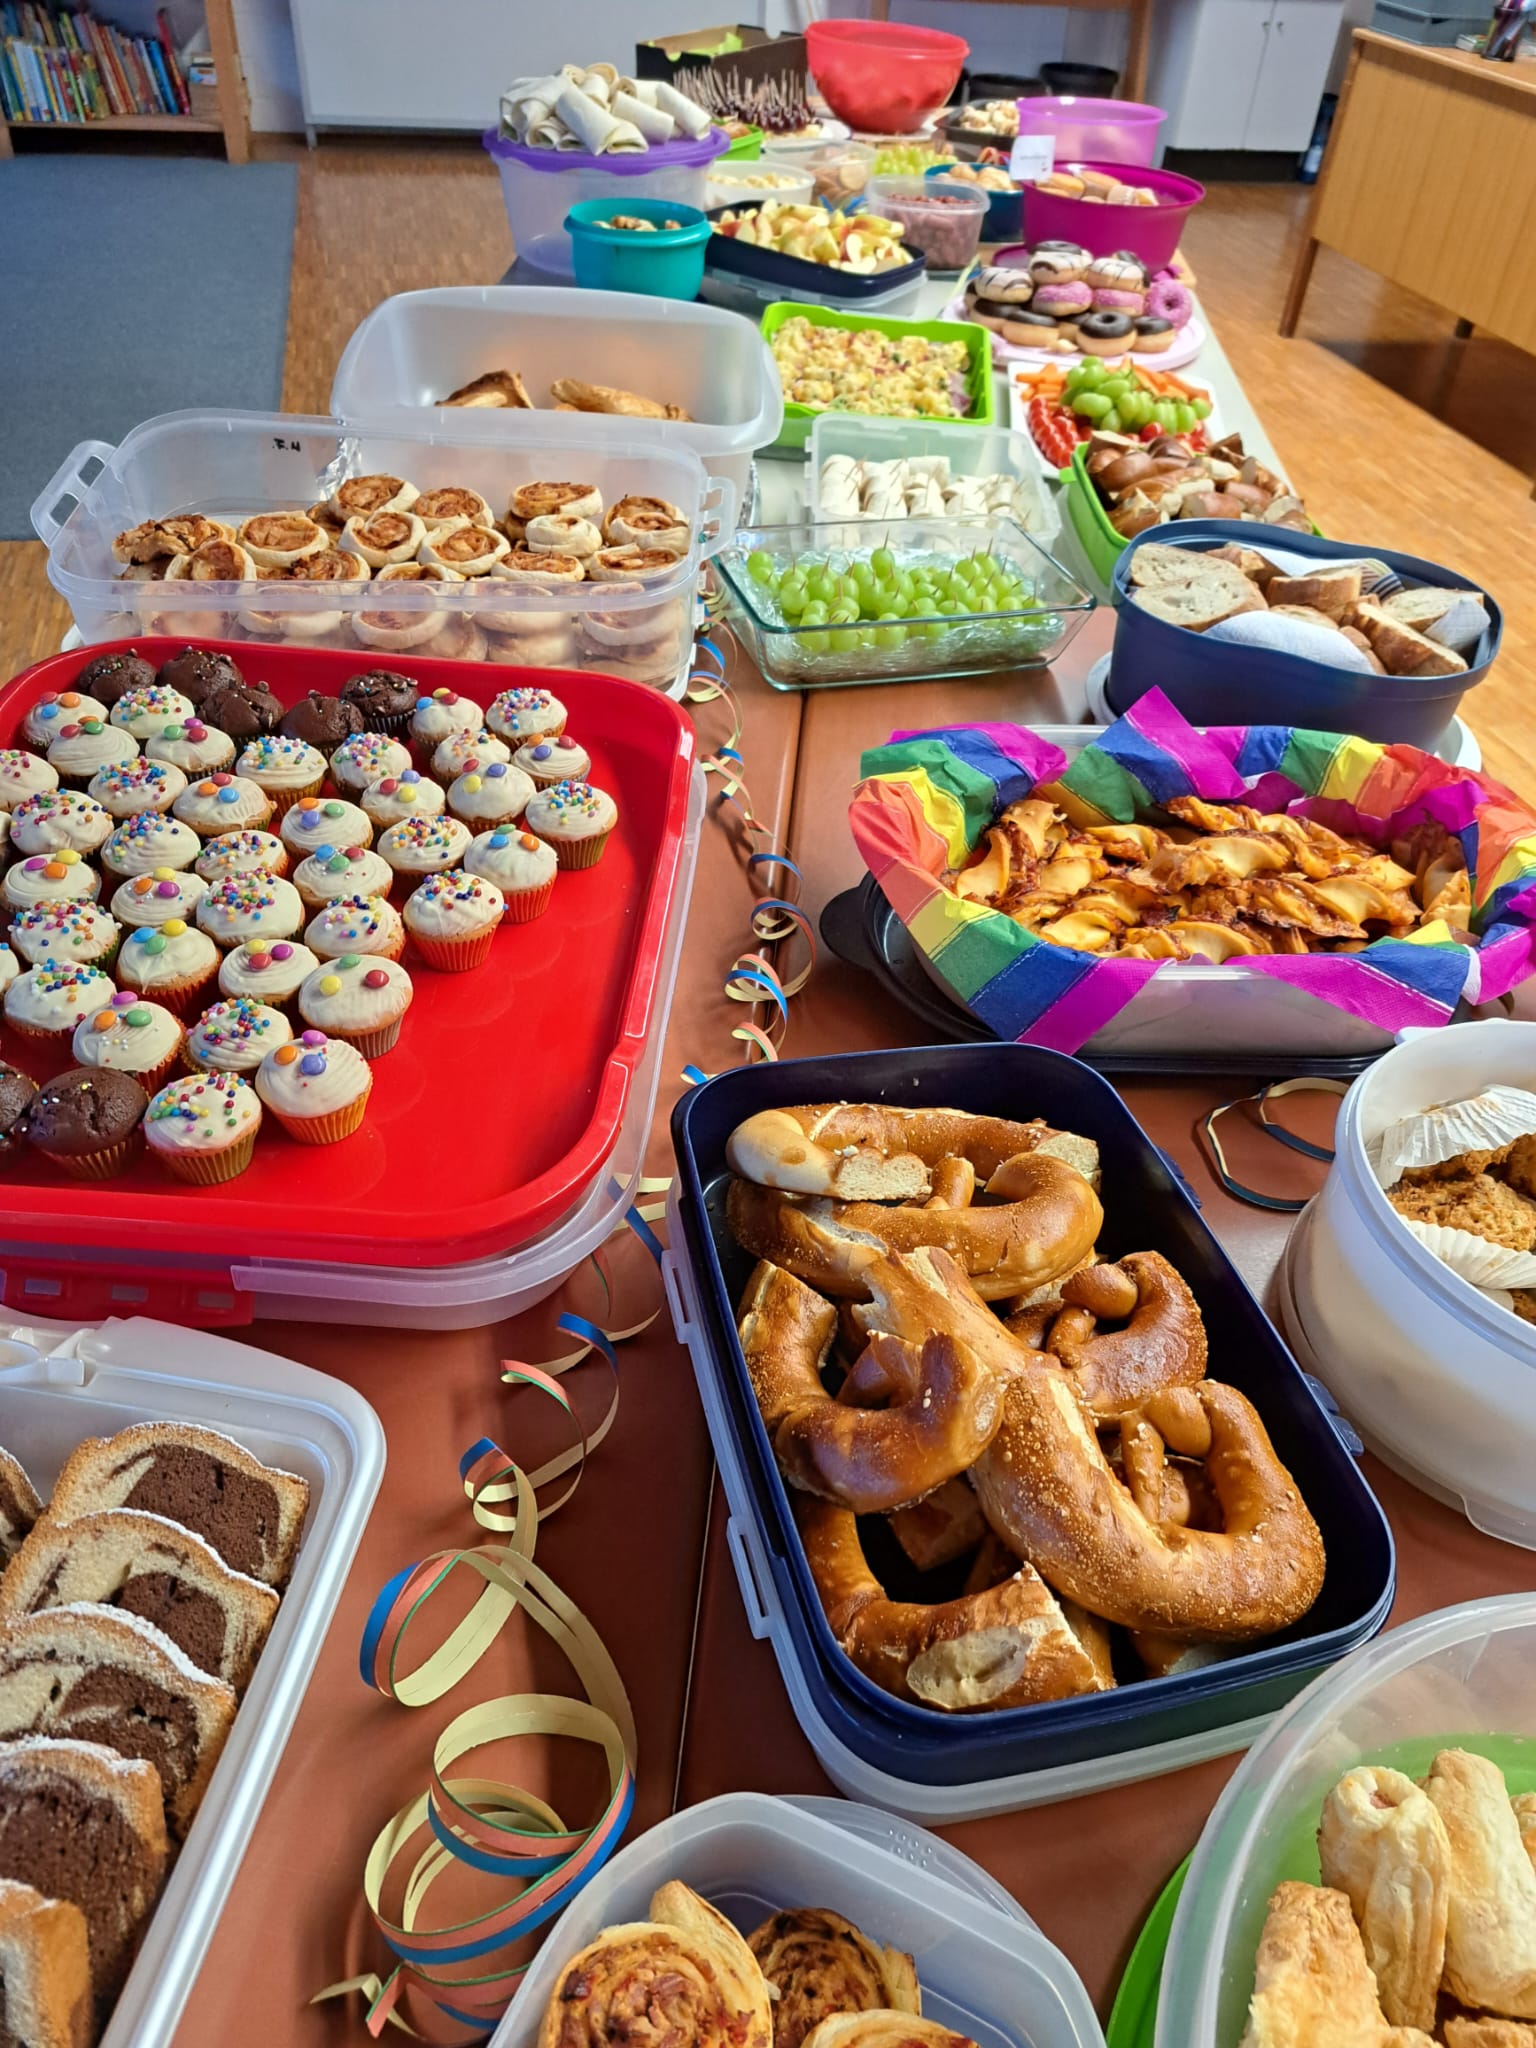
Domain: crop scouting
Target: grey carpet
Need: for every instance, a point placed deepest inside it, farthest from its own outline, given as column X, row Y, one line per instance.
column 131, row 286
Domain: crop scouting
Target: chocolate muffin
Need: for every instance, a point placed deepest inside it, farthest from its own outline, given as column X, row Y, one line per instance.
column 196, row 670
column 322, row 722
column 89, row 1121
column 109, row 675
column 17, row 1092
column 384, row 698
column 244, row 710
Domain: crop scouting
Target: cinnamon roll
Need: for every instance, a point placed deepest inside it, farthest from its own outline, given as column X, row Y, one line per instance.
column 329, row 565
column 451, row 507
column 543, row 570
column 471, row 550
column 627, row 563
column 276, row 540
column 819, row 1964
column 361, row 496
column 154, row 539
column 684, row 1976
column 324, row 515
column 563, row 533
column 884, row 2030
column 216, row 561
column 533, row 501
column 647, row 523
column 384, row 539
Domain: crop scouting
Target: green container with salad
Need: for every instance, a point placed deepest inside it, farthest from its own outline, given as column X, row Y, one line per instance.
column 974, row 399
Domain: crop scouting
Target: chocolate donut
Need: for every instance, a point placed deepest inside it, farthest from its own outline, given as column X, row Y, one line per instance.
column 1152, row 335
column 1104, row 334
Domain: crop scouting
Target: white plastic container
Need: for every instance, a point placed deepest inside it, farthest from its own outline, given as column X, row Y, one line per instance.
column 414, row 349
column 540, row 186
column 236, row 464
column 1440, row 1381
column 1444, row 1680
column 972, row 451
column 985, row 1973
column 408, row 1298
column 59, row 1386
column 751, row 180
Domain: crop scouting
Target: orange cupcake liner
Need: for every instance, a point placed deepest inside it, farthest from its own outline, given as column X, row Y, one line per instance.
column 182, row 998
column 283, row 801
column 525, row 905
column 208, row 1169
column 456, row 956
column 64, row 1038
column 106, row 1164
column 327, row 1130
column 580, row 853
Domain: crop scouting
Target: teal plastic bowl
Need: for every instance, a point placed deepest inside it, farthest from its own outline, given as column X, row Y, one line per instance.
column 668, row 264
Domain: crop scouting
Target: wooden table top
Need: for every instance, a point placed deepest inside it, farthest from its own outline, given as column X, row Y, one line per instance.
column 1456, row 67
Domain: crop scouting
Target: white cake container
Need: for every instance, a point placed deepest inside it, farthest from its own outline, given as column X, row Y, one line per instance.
column 1439, row 1380
column 60, row 1385
column 414, row 349
column 986, row 1973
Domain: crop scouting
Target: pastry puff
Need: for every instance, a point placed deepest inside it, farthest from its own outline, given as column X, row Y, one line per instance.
column 630, row 564
column 647, row 523
column 216, row 561
column 154, row 539
column 532, row 501
column 1312, row 1987
column 402, row 629
column 1463, row 2033
column 467, row 550
column 329, row 566
column 1490, row 1944
column 361, row 496
column 383, row 539
column 1383, row 1845
column 686, row 1967
column 450, row 508
column 276, row 540
column 884, row 2030
column 819, row 1963
column 563, row 533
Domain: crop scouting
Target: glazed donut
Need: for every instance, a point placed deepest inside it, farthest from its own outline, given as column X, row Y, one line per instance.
column 1007, row 1647
column 1050, row 1218
column 870, row 1152
column 1104, row 334
column 945, row 1406
column 1064, row 301
column 1168, row 300
column 1122, row 272
column 1115, row 1372
column 819, row 1963
column 1119, row 300
column 1047, row 1488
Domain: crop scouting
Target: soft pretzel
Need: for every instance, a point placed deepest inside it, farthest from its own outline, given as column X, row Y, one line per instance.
column 1047, row 1488
column 1162, row 1345
column 945, row 1405
column 1007, row 1647
column 1042, row 1232
column 869, row 1152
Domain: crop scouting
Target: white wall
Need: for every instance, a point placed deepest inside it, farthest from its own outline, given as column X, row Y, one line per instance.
column 1013, row 39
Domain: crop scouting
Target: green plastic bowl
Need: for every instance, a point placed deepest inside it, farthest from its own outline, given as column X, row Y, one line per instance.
column 746, row 149
column 1101, row 545
column 666, row 264
column 798, row 419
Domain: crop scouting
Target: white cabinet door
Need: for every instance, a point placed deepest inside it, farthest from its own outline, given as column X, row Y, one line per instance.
column 1301, row 40
column 1228, row 41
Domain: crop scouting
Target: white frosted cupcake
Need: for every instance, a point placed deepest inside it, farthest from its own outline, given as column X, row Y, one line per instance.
column 395, row 798
column 56, row 819
column 242, row 853
column 73, row 930
column 452, row 919
column 77, row 751
column 54, row 710
column 576, row 818
column 367, row 757
column 331, row 872
column 522, row 867
column 145, row 711
column 173, row 962
column 222, row 802
column 266, row 972
column 47, row 1002
column 288, row 770
column 126, row 787
column 440, row 714
column 23, row 774
column 249, row 907
column 203, row 1127
column 135, row 1036
column 10, row 967
column 234, row 1036
column 463, row 749
column 361, row 997
column 424, row 846
column 157, row 897
column 524, row 714
column 356, row 924
column 194, row 748
column 146, row 842
column 49, row 878
column 558, row 759
column 492, row 795
column 328, row 821
column 316, row 1087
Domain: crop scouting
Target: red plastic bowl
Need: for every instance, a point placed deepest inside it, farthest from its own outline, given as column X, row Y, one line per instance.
column 1150, row 232
column 882, row 76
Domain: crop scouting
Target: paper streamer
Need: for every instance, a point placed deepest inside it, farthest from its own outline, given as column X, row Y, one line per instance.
column 1275, row 1091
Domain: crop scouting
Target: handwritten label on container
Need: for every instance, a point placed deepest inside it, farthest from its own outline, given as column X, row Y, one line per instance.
column 1032, row 157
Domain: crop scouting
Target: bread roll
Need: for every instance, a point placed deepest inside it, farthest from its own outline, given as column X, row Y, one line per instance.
column 1400, row 650
column 1327, row 590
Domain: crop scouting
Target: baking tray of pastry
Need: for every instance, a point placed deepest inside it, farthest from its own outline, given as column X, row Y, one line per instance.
column 1145, row 1209
column 61, row 1386
column 506, row 1093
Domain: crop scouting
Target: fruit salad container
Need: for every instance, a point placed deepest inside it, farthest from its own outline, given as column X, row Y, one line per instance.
column 820, row 604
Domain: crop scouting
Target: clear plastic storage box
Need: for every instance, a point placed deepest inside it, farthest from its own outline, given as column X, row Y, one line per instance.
column 540, row 186
column 412, row 350
column 970, row 451
column 60, row 1385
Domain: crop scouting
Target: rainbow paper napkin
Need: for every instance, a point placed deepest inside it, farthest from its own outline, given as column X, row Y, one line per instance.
column 927, row 798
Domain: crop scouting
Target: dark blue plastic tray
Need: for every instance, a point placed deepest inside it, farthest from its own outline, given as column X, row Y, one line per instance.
column 723, row 253
column 1146, row 1208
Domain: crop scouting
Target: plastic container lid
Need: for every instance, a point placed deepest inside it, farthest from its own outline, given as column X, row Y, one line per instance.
column 686, row 153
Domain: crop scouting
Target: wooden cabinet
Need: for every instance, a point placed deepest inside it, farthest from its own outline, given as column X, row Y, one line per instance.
column 1242, row 74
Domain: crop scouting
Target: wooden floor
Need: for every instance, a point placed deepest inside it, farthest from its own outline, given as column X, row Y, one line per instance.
column 1408, row 439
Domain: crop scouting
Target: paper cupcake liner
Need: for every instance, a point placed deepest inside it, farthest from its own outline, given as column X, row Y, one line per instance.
column 182, row 998
column 1482, row 1123
column 373, row 1044
column 327, row 1130
column 1473, row 1258
column 456, row 956
column 524, row 905
column 106, row 1164
column 283, row 801
column 580, row 853
column 153, row 1079
column 385, row 949
column 43, row 1037
column 207, row 1169
column 478, row 822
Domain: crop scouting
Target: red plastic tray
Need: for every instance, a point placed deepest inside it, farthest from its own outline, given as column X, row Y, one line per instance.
column 506, row 1091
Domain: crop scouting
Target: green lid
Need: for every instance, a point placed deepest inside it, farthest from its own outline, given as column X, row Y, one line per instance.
column 1133, row 2018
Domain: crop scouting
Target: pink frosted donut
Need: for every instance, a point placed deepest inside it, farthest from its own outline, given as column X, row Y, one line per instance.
column 1062, row 299
column 1168, row 300
column 1134, row 303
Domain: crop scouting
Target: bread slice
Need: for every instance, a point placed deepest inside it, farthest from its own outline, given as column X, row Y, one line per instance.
column 1357, row 639
column 1256, row 567
column 105, row 1676
column 1400, row 650
column 251, row 1513
column 1306, row 614
column 78, row 1823
column 45, row 1970
column 1425, row 607
column 149, row 1567
column 1157, row 564
column 1217, row 591
column 19, row 1505
column 1326, row 590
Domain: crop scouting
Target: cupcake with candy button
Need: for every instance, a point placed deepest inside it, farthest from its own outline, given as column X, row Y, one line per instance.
column 241, row 907
column 367, row 757
column 576, row 819
column 134, row 1037
column 221, row 802
column 440, row 714
column 23, row 774
column 54, row 710
column 175, row 963
column 234, row 1036
column 5, row 837
column 149, row 841
column 70, row 930
column 360, row 997
column 490, row 795
column 394, row 798
column 289, row 771
column 546, row 762
column 454, row 754
column 203, row 1127
column 127, row 787
column 329, row 821
column 10, row 967
column 356, row 924
column 147, row 710
column 241, row 853
column 520, row 715
column 193, row 747
column 452, row 919
column 157, row 897
column 316, row 1087
column 49, row 878
column 48, row 1001
column 424, row 846
column 266, row 971
column 77, row 750
column 521, row 866
column 58, row 819
column 331, row 872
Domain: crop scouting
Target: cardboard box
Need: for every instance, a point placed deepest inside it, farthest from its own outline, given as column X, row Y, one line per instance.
column 760, row 58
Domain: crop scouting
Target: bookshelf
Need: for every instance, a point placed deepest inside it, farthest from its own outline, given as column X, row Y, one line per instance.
column 233, row 120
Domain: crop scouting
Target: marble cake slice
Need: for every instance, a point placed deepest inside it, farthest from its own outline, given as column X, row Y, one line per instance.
column 45, row 1970
column 19, row 1508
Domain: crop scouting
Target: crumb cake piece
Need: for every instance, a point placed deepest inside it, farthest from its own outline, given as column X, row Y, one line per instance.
column 1478, row 1203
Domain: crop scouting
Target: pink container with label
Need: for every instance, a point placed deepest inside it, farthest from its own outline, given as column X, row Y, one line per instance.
column 1120, row 131
column 1150, row 232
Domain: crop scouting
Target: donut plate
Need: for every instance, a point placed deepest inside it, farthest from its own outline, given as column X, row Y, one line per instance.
column 1187, row 343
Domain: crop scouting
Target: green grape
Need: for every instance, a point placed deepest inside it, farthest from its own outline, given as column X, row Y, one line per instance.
column 934, row 629
column 1092, row 405
column 843, row 613
column 760, row 566
column 905, row 584
column 1201, row 408
column 1165, row 412
column 1113, row 422
column 1184, row 416
column 815, row 614
column 891, row 636
column 844, row 641
column 816, row 643
column 883, row 563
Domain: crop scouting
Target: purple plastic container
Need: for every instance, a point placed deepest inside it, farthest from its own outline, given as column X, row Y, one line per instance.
column 1150, row 232
column 540, row 186
column 1118, row 131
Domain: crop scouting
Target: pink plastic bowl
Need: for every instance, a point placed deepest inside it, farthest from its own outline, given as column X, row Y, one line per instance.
column 882, row 76
column 1150, row 232
column 1114, row 131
